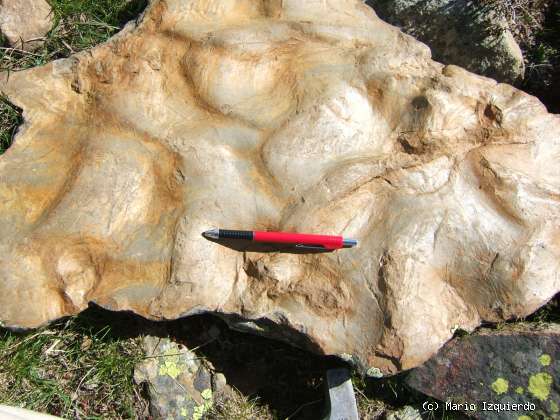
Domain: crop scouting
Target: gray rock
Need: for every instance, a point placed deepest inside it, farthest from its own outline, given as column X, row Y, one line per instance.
column 516, row 367
column 341, row 399
column 461, row 32
column 219, row 383
column 179, row 384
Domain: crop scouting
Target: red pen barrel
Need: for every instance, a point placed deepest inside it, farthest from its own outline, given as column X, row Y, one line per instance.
column 326, row 241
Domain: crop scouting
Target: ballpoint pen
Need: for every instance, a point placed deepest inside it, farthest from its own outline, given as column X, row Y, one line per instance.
column 299, row 240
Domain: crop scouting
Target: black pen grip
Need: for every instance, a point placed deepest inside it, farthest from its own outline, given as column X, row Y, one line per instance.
column 236, row 234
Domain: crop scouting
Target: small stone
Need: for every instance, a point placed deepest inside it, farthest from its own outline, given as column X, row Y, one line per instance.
column 219, row 382
column 341, row 398
column 86, row 343
column 202, row 380
column 346, row 357
column 176, row 390
column 24, row 23
column 374, row 372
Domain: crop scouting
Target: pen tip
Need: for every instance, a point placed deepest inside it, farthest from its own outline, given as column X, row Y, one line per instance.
column 212, row 234
column 349, row 243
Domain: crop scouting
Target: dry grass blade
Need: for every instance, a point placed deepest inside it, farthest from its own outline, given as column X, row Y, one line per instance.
column 236, row 406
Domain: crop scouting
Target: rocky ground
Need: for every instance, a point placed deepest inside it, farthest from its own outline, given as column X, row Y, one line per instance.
column 84, row 367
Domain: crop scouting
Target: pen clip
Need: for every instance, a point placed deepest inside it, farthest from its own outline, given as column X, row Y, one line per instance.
column 301, row 246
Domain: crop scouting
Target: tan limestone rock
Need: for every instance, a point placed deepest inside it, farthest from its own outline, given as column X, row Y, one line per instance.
column 308, row 116
column 25, row 22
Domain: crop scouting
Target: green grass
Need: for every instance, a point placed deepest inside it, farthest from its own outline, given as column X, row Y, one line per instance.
column 83, row 23
column 548, row 313
column 77, row 26
column 10, row 119
column 236, row 406
column 70, row 369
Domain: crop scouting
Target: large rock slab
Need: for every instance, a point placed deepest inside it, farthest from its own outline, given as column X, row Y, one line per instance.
column 300, row 116
column 463, row 32
column 497, row 374
column 25, row 22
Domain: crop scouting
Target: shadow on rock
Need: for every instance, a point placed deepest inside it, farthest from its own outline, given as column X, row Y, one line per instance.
column 131, row 11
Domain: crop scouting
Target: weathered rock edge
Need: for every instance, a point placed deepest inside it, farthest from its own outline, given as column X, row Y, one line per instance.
column 340, row 124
